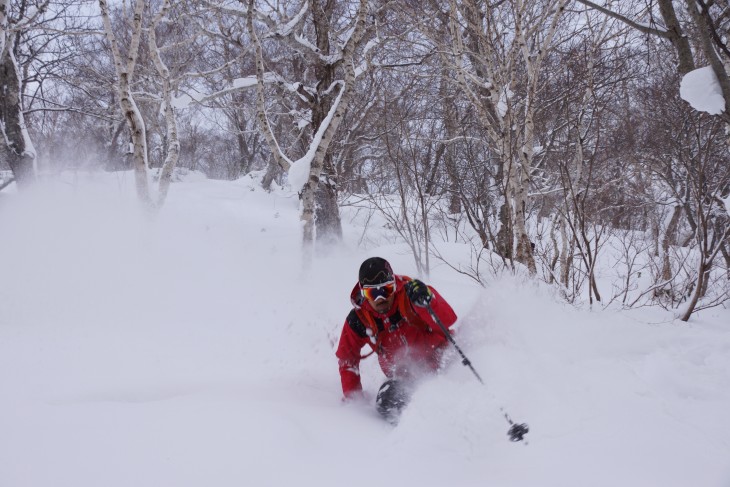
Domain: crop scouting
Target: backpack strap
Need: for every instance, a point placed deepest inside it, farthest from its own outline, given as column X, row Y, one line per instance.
column 365, row 325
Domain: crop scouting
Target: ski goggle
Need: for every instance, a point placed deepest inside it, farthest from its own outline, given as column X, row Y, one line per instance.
column 378, row 291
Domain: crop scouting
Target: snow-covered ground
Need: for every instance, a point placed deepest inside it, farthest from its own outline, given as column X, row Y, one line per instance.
column 192, row 349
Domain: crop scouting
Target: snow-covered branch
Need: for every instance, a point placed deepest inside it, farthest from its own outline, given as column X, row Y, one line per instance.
column 645, row 28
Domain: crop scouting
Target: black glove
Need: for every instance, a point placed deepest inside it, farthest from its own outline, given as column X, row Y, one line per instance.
column 418, row 293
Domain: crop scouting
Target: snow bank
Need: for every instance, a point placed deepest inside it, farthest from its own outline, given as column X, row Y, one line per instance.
column 190, row 349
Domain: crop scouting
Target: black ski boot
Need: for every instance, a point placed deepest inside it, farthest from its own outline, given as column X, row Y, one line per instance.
column 393, row 397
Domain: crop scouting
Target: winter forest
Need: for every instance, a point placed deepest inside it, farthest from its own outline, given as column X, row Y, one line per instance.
column 551, row 133
column 570, row 156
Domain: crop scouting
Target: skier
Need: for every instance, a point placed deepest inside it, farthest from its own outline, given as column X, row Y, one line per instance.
column 390, row 315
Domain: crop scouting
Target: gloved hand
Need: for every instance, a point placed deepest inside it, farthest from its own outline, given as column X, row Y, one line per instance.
column 418, row 293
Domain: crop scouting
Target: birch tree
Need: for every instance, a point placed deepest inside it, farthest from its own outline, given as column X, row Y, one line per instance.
column 125, row 63
column 168, row 85
column 324, row 36
column 497, row 53
column 16, row 148
column 155, row 81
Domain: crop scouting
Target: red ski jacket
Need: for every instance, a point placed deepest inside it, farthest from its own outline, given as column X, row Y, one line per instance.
column 405, row 338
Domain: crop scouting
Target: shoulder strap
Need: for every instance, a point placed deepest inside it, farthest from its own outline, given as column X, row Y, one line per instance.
column 371, row 330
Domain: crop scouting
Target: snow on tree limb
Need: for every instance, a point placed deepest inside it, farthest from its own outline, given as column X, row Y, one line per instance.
column 702, row 91
column 299, row 170
column 323, row 137
column 290, row 26
column 647, row 29
column 237, row 84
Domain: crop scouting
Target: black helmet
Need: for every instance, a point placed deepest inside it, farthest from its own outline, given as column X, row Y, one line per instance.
column 375, row 270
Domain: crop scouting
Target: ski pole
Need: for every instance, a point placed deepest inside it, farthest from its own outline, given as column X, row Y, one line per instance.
column 517, row 431
column 464, row 359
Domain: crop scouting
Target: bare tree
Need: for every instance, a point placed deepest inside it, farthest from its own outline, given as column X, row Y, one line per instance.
column 169, row 86
column 125, row 64
column 16, row 150
column 499, row 74
column 697, row 35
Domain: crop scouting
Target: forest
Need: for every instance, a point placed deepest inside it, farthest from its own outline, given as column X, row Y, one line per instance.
column 548, row 135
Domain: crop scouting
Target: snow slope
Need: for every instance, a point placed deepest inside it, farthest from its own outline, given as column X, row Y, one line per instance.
column 192, row 349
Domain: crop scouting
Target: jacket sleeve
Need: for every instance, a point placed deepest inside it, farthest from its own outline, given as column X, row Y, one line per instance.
column 348, row 354
column 443, row 311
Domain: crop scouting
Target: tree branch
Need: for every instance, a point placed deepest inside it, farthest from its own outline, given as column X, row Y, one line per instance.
column 636, row 25
column 6, row 183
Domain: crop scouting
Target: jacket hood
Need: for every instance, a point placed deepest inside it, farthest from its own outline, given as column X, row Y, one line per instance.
column 356, row 297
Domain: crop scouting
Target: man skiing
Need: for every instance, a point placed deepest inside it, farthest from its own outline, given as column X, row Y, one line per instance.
column 390, row 314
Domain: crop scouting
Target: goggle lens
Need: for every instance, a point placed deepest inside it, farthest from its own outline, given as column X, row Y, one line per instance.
column 380, row 291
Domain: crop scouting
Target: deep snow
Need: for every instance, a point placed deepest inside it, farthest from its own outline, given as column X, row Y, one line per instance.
column 192, row 349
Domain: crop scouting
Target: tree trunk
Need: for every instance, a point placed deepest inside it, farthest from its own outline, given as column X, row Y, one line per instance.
column 17, row 148
column 566, row 251
column 245, row 156
column 698, row 290
column 173, row 142
column 668, row 237
column 504, row 239
column 139, row 142
column 725, row 250
column 519, row 197
column 554, row 240
column 677, row 37
column 450, row 124
column 272, row 171
column 327, row 212
column 131, row 113
column 333, row 120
